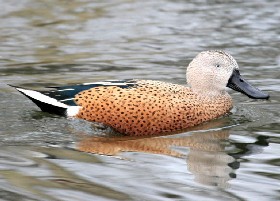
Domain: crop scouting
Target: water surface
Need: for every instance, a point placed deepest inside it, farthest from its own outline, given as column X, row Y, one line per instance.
column 46, row 157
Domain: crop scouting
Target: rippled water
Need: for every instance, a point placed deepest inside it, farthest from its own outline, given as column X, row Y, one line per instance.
column 44, row 157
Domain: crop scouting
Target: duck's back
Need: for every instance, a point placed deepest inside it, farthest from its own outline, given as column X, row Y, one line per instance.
column 147, row 107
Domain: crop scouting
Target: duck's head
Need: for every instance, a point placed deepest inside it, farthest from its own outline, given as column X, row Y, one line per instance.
column 210, row 72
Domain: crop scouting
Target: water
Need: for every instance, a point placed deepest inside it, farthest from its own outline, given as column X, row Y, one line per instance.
column 45, row 157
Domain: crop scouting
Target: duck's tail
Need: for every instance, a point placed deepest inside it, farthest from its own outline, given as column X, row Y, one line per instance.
column 47, row 103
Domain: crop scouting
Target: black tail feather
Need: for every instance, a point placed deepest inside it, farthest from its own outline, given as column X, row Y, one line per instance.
column 45, row 107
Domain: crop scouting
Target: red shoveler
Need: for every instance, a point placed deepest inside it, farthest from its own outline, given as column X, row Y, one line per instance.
column 146, row 107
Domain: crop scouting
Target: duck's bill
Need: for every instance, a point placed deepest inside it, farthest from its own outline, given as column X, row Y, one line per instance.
column 237, row 83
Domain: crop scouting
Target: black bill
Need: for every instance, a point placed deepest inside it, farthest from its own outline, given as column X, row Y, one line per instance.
column 237, row 83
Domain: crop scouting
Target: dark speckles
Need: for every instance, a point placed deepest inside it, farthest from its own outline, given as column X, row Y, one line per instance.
column 151, row 108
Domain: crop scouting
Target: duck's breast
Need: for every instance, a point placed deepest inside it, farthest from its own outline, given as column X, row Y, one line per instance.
column 148, row 107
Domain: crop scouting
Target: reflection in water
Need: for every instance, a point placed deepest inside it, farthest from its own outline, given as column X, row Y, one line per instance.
column 247, row 149
column 36, row 173
column 51, row 180
column 207, row 158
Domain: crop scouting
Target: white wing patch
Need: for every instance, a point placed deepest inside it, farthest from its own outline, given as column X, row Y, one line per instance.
column 68, row 89
column 107, row 83
column 73, row 111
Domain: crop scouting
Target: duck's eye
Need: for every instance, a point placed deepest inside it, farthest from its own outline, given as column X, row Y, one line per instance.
column 218, row 66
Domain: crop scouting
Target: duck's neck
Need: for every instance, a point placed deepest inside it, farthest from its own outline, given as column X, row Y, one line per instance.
column 210, row 93
column 214, row 104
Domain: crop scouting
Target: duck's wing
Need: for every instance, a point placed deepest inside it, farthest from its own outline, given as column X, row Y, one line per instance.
column 66, row 94
column 59, row 100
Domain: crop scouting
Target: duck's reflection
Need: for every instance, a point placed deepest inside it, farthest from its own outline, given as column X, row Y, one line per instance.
column 208, row 160
column 205, row 150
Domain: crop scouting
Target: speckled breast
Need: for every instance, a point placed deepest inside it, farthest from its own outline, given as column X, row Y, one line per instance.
column 149, row 107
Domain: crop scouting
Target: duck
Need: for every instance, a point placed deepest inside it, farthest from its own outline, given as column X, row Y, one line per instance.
column 137, row 107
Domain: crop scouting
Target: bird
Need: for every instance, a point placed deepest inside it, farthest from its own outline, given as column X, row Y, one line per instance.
column 137, row 107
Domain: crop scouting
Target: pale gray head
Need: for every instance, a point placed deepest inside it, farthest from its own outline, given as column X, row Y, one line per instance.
column 210, row 72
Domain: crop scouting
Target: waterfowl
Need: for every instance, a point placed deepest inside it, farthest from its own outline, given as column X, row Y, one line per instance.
column 147, row 107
